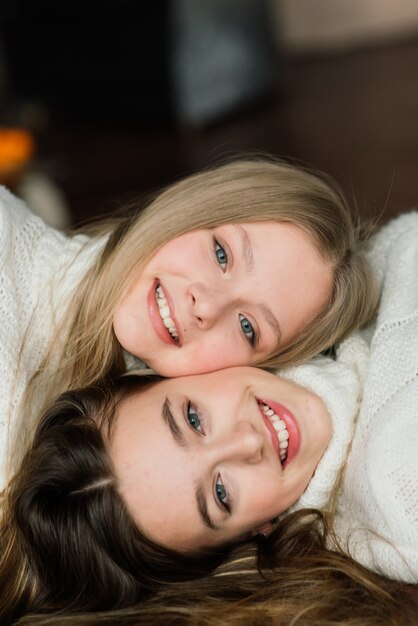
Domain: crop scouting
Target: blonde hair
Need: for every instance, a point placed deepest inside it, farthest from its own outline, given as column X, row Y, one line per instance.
column 246, row 190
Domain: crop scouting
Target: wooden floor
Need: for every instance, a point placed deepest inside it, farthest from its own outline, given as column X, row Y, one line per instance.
column 353, row 115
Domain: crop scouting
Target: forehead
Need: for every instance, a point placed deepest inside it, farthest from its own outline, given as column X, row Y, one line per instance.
column 288, row 273
column 269, row 236
column 157, row 479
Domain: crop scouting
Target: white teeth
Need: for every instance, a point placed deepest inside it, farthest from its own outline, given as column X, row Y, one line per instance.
column 280, row 427
column 165, row 312
column 283, row 435
column 168, row 322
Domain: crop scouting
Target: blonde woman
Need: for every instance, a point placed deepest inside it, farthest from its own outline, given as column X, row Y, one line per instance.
column 252, row 262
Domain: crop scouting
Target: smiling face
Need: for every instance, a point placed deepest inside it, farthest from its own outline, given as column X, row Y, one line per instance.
column 203, row 460
column 231, row 295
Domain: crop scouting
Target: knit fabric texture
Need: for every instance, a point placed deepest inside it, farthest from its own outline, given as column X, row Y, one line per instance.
column 378, row 516
column 339, row 384
column 377, row 512
column 39, row 270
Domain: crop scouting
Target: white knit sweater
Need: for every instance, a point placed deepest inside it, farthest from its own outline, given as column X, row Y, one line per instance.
column 380, row 490
column 377, row 515
column 33, row 288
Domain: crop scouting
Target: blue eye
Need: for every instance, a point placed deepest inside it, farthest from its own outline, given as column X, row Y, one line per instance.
column 194, row 419
column 221, row 255
column 247, row 329
column 221, row 494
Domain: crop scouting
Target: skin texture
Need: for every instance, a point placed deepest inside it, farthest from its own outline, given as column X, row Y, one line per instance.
column 224, row 288
column 219, row 438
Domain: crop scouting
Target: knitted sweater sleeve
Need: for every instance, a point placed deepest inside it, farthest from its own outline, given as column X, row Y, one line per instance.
column 31, row 254
column 339, row 384
column 378, row 516
column 20, row 282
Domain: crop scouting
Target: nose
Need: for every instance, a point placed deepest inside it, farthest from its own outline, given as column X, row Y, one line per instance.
column 207, row 304
column 242, row 444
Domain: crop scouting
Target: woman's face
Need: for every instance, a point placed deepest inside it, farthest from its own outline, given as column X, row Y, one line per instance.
column 231, row 295
column 203, row 460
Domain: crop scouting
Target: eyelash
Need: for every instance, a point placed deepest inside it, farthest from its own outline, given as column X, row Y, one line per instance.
column 219, row 248
column 252, row 337
column 191, row 410
column 225, row 505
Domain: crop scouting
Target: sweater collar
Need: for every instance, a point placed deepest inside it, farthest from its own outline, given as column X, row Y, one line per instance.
column 339, row 384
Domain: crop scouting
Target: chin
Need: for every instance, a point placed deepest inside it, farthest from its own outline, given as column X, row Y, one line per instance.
column 162, row 369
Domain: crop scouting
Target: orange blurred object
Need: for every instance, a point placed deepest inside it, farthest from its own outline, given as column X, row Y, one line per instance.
column 16, row 149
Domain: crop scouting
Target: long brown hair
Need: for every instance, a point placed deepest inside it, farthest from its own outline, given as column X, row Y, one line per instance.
column 71, row 554
column 69, row 548
column 245, row 190
column 66, row 536
column 289, row 579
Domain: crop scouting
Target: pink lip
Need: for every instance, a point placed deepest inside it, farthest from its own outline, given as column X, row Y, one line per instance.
column 156, row 321
column 292, row 428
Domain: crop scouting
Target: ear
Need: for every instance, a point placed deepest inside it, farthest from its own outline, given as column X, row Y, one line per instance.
column 264, row 530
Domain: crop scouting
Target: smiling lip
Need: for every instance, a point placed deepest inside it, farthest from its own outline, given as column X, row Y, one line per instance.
column 156, row 321
column 291, row 425
column 272, row 433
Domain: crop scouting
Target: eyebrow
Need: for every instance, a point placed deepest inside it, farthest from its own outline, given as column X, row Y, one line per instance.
column 172, row 424
column 247, row 253
column 246, row 247
column 202, row 507
column 272, row 321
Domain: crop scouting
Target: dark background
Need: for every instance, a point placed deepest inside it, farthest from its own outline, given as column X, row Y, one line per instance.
column 95, row 82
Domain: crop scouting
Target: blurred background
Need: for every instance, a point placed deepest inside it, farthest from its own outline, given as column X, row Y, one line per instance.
column 102, row 100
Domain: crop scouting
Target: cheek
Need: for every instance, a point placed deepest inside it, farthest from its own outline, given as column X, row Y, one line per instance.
column 119, row 326
column 126, row 327
column 190, row 364
column 207, row 352
column 216, row 351
column 129, row 308
column 160, row 498
column 179, row 254
column 264, row 499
